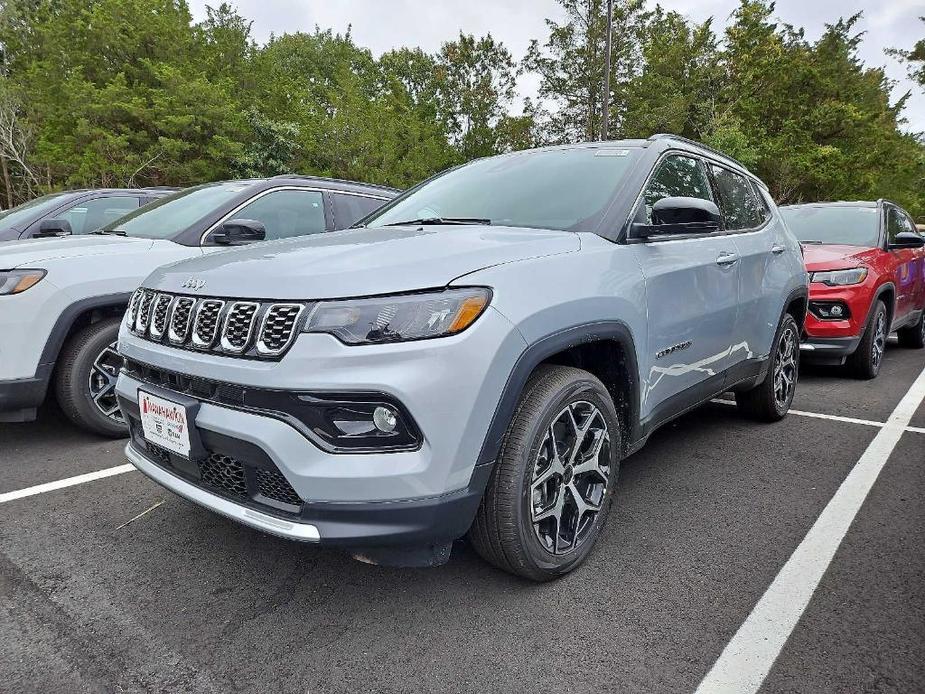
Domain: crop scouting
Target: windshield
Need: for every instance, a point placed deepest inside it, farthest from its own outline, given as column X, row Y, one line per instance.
column 168, row 216
column 25, row 213
column 566, row 189
column 849, row 226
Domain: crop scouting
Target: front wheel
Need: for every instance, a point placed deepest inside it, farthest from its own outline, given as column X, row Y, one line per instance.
column 770, row 400
column 866, row 360
column 86, row 379
column 552, row 486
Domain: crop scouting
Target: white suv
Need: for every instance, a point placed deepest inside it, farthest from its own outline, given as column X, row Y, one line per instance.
column 61, row 299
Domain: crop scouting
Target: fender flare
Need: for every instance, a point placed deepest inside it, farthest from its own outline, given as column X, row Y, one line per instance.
column 801, row 292
column 69, row 316
column 541, row 350
column 881, row 290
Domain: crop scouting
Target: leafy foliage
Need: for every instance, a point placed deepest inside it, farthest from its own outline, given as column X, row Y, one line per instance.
column 133, row 92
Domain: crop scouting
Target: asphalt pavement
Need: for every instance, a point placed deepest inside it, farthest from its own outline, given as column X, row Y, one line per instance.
column 706, row 515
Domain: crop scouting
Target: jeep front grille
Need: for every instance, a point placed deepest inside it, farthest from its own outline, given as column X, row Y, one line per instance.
column 277, row 328
column 144, row 311
column 159, row 315
column 206, row 322
column 133, row 306
column 180, row 320
column 251, row 329
column 239, row 326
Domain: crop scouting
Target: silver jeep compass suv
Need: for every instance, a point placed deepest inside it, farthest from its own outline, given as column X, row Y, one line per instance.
column 474, row 359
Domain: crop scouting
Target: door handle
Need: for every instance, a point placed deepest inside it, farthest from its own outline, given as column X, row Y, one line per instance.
column 726, row 259
column 777, row 249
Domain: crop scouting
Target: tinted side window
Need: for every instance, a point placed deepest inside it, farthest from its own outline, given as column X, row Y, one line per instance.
column 90, row 215
column 764, row 209
column 677, row 176
column 287, row 213
column 351, row 208
column 738, row 201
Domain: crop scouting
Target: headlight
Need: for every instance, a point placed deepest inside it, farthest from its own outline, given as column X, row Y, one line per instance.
column 840, row 278
column 398, row 318
column 16, row 281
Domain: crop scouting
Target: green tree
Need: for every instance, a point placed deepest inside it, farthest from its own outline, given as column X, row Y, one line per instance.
column 477, row 79
column 915, row 59
column 571, row 66
column 675, row 90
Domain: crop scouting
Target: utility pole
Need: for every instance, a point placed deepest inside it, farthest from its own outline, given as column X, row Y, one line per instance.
column 605, row 116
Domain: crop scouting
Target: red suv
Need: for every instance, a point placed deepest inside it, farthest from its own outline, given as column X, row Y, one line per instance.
column 867, row 278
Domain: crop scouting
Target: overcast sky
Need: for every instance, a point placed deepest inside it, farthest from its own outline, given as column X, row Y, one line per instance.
column 383, row 24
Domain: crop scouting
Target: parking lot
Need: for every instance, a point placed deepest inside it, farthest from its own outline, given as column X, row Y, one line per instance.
column 706, row 516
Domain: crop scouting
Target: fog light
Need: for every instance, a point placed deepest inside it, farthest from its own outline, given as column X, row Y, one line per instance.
column 829, row 310
column 385, row 419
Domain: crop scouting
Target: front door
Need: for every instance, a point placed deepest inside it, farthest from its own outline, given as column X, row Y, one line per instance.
column 691, row 298
column 905, row 262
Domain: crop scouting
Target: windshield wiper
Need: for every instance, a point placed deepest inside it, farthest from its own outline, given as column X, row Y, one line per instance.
column 816, row 243
column 115, row 232
column 440, row 220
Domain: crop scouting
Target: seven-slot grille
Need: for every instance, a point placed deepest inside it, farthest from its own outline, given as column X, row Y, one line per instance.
column 263, row 330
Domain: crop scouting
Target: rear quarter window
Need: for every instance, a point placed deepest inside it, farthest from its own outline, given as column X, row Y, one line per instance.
column 349, row 209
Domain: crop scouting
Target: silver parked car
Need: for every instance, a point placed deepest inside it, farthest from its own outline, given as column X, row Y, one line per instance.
column 475, row 359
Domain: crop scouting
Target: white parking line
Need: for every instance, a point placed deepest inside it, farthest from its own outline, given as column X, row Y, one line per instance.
column 832, row 417
column 66, row 482
column 749, row 656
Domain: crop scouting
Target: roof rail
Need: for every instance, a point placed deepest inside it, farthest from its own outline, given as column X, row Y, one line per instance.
column 307, row 177
column 687, row 140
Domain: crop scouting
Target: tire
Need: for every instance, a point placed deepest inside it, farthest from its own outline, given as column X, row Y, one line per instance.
column 770, row 400
column 867, row 359
column 914, row 335
column 77, row 368
column 504, row 532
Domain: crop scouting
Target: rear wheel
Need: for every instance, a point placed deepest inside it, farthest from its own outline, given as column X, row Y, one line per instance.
column 770, row 400
column 867, row 359
column 914, row 335
column 85, row 385
column 551, row 489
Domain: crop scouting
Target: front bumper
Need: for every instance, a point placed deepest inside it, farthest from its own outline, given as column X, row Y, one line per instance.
column 422, row 497
column 234, row 491
column 398, row 524
column 832, row 341
column 20, row 398
column 832, row 350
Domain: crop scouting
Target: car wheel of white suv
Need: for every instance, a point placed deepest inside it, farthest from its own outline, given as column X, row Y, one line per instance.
column 86, row 376
column 552, row 487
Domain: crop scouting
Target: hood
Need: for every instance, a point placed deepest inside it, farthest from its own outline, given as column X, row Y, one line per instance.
column 360, row 262
column 32, row 251
column 827, row 256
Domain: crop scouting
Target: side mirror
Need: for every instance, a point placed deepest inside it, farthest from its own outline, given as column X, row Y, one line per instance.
column 906, row 239
column 680, row 215
column 49, row 228
column 239, row 232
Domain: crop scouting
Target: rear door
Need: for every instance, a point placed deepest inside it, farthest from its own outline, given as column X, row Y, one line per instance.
column 691, row 288
column 765, row 270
